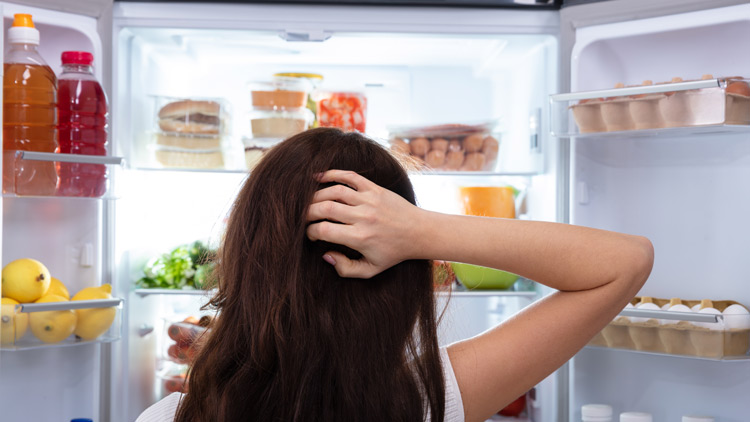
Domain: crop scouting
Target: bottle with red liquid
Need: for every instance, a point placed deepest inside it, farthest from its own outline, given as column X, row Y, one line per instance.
column 82, row 128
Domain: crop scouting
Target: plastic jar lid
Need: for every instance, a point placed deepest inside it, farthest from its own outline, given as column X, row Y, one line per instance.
column 635, row 417
column 598, row 411
column 77, row 57
column 694, row 418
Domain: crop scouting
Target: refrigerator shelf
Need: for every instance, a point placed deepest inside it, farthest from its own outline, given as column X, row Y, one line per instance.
column 173, row 292
column 21, row 167
column 487, row 293
column 33, row 318
column 604, row 349
column 676, row 132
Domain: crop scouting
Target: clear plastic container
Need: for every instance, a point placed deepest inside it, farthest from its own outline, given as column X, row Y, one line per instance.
column 190, row 159
column 52, row 324
column 721, row 330
column 256, row 148
column 181, row 346
column 346, row 110
column 281, row 93
column 192, row 116
column 649, row 107
column 449, row 147
column 269, row 123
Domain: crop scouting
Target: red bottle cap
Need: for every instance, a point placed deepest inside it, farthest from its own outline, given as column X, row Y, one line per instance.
column 77, row 57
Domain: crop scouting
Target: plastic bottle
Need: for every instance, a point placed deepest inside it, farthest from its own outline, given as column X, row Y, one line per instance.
column 29, row 112
column 596, row 413
column 82, row 109
column 635, row 417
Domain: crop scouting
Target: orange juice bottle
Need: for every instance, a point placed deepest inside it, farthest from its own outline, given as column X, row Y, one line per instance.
column 490, row 201
column 29, row 112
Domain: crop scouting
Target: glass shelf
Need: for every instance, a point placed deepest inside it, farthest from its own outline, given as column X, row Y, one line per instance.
column 674, row 132
column 21, row 164
column 174, row 292
column 27, row 316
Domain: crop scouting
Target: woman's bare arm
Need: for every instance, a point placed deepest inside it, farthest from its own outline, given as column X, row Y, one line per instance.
column 596, row 272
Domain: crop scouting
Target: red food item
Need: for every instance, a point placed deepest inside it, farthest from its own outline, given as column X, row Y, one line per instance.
column 515, row 408
column 179, row 353
column 184, row 333
column 344, row 110
column 175, row 384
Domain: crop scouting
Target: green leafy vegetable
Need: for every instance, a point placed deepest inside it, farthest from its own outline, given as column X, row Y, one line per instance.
column 185, row 267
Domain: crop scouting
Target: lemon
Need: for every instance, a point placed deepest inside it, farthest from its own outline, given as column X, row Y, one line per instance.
column 57, row 288
column 12, row 325
column 94, row 322
column 52, row 326
column 25, row 280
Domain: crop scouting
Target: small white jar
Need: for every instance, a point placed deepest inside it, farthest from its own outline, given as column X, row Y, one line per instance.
column 596, row 413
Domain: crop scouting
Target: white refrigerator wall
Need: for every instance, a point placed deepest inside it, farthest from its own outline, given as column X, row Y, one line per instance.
column 416, row 66
column 688, row 194
column 67, row 236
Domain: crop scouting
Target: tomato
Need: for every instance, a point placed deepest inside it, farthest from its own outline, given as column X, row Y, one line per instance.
column 344, row 110
column 515, row 408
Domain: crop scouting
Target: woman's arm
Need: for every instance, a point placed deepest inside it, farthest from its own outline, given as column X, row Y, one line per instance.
column 596, row 272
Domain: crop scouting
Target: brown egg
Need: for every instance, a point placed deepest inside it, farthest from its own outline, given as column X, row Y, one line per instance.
column 739, row 88
column 473, row 143
column 490, row 146
column 400, row 146
column 439, row 144
column 455, row 145
column 473, row 162
column 419, row 146
column 454, row 160
column 435, row 158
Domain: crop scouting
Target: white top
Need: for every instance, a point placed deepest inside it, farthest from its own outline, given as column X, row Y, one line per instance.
column 164, row 410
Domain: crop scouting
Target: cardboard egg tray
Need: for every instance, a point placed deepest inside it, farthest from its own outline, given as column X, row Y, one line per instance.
column 697, row 107
column 676, row 337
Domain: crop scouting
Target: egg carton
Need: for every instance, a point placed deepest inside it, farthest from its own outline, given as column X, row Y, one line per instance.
column 676, row 333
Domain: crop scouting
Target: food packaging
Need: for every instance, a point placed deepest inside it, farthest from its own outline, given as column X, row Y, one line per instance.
column 256, row 148
column 346, row 110
column 726, row 103
column 448, row 147
column 269, row 123
column 674, row 333
column 281, row 93
column 314, row 80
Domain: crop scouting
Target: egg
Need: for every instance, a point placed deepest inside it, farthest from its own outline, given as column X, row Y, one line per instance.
column 473, row 162
column 645, row 305
column 624, row 318
column 419, row 146
column 400, row 146
column 696, row 308
column 736, row 317
column 455, row 145
column 490, row 146
column 676, row 308
column 739, row 88
column 473, row 143
column 435, row 158
column 707, row 307
column 454, row 160
column 439, row 144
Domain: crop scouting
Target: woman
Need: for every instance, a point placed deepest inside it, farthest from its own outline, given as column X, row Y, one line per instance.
column 325, row 301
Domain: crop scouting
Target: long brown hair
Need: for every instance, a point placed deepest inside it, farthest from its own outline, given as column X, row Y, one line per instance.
column 294, row 341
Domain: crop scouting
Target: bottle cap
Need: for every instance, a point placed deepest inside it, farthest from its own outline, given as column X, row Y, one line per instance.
column 23, row 31
column 694, row 418
column 635, row 417
column 77, row 57
column 596, row 410
column 81, row 420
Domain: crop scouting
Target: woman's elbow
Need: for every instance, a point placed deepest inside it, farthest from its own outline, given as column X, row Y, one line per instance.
column 641, row 260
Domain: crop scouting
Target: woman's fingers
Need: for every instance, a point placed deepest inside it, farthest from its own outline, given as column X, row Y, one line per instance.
column 347, row 177
column 351, row 268
column 333, row 211
column 340, row 193
column 327, row 231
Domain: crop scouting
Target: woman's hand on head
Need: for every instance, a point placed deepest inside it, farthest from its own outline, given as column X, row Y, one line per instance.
column 359, row 214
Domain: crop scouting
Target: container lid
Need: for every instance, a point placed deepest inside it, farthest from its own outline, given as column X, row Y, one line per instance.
column 596, row 410
column 23, row 30
column 288, row 113
column 444, row 130
column 694, row 418
column 635, row 417
column 282, row 83
column 262, row 143
column 311, row 76
column 81, row 420
column 77, row 57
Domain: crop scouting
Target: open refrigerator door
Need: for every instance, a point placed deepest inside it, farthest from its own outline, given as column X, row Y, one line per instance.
column 657, row 121
column 419, row 79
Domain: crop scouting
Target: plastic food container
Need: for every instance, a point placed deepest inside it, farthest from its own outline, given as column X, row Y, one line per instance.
column 268, row 123
column 281, row 93
column 344, row 110
column 675, row 104
column 185, row 158
column 716, row 332
column 449, row 147
column 192, row 116
column 256, row 148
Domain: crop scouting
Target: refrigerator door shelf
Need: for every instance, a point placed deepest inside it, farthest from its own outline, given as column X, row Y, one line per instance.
column 18, row 165
column 651, row 110
column 23, row 323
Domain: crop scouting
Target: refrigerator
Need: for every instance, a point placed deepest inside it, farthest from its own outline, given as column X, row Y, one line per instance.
column 524, row 70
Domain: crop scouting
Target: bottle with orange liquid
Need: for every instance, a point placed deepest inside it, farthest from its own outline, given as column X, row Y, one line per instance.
column 29, row 112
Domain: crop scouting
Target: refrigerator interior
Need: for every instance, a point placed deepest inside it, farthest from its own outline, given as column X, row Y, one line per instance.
column 683, row 192
column 410, row 77
column 68, row 236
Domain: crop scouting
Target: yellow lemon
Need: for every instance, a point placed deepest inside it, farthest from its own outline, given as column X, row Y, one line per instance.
column 57, row 288
column 25, row 280
column 12, row 325
column 52, row 326
column 94, row 322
